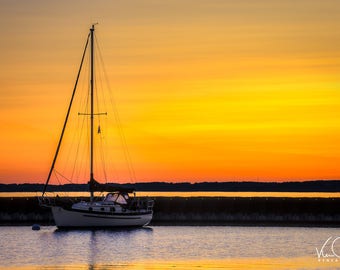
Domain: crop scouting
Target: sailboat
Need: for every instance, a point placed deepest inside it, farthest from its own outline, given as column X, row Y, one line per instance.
column 120, row 207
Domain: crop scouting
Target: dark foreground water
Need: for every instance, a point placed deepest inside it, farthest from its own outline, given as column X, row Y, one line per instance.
column 171, row 247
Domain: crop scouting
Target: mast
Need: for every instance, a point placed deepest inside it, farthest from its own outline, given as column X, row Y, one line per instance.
column 91, row 90
column 93, row 184
column 66, row 119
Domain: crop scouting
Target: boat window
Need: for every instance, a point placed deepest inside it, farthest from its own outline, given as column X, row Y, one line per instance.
column 121, row 199
column 110, row 197
column 115, row 196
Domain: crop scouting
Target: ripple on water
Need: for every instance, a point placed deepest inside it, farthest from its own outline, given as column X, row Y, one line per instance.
column 163, row 248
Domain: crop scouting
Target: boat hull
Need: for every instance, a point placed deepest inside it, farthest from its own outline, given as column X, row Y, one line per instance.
column 65, row 218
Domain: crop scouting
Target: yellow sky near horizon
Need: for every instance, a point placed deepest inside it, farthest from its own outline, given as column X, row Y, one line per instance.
column 206, row 90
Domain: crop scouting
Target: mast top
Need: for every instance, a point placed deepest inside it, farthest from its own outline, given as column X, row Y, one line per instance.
column 92, row 27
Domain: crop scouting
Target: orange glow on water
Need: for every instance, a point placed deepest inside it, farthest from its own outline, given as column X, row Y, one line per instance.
column 234, row 263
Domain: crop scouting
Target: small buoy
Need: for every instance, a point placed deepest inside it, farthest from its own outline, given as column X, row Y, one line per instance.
column 35, row 227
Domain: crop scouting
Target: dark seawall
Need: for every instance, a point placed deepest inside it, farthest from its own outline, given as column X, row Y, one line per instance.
column 203, row 211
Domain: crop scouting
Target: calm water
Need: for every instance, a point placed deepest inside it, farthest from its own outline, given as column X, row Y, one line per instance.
column 186, row 247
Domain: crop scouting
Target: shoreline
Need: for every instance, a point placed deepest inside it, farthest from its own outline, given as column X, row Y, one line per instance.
column 202, row 211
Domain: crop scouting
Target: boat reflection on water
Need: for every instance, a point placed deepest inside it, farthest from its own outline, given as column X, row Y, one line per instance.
column 114, row 231
column 166, row 247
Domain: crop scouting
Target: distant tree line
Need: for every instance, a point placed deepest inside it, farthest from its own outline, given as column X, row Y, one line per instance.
column 307, row 186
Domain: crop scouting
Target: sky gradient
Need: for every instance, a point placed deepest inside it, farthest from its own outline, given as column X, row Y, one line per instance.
column 206, row 90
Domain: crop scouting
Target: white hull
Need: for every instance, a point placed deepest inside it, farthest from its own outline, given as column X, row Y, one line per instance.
column 71, row 218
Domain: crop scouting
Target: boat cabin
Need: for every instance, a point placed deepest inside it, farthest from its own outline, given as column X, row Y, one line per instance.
column 121, row 198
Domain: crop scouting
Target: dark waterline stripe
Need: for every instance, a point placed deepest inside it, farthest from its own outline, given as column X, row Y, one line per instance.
column 112, row 217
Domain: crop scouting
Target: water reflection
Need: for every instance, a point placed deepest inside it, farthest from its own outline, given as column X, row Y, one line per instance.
column 95, row 246
column 113, row 230
column 234, row 264
column 98, row 250
column 160, row 247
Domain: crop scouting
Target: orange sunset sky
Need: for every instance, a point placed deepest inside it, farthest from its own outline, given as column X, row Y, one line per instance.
column 206, row 90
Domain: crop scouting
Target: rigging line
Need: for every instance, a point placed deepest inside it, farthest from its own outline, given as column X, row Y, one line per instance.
column 96, row 166
column 80, row 131
column 80, row 171
column 83, row 104
column 78, row 147
column 74, row 142
column 67, row 115
column 63, row 176
column 98, row 105
column 100, row 96
column 100, row 71
column 86, row 149
column 119, row 125
column 56, row 176
column 77, row 133
column 110, row 162
column 102, row 155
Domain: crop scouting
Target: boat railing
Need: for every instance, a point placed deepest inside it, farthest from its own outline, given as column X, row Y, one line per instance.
column 149, row 205
column 55, row 201
column 46, row 201
column 140, row 203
